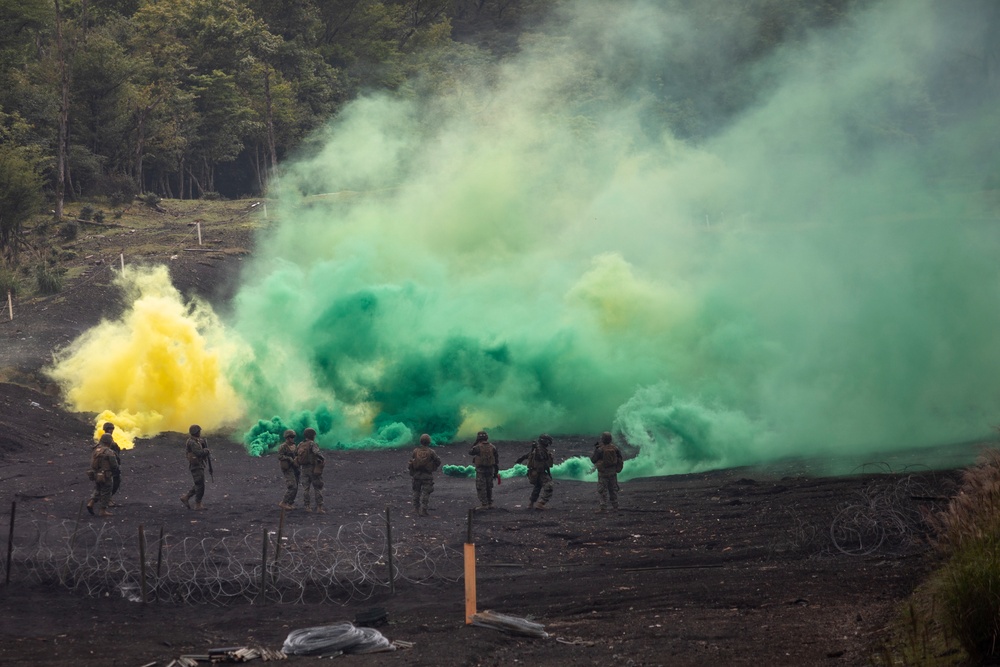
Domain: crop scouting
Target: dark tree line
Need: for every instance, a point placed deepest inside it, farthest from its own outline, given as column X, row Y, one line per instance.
column 189, row 98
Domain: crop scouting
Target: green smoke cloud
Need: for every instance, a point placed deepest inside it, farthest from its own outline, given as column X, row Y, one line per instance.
column 798, row 256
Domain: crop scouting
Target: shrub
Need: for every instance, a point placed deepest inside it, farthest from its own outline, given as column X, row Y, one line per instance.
column 99, row 216
column 119, row 189
column 69, row 230
column 969, row 592
column 87, row 212
column 968, row 533
column 8, row 282
column 212, row 196
column 150, row 199
column 49, row 280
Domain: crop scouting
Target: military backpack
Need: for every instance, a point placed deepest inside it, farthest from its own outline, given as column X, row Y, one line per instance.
column 423, row 460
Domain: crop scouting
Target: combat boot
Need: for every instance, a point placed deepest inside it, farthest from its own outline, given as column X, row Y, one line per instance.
column 531, row 505
column 540, row 506
column 104, row 513
column 199, row 506
column 90, row 506
column 308, row 509
column 320, row 510
column 184, row 499
column 422, row 511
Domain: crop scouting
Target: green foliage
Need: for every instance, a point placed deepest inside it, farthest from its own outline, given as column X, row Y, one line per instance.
column 20, row 193
column 49, row 279
column 9, row 282
column 86, row 212
column 69, row 230
column 969, row 589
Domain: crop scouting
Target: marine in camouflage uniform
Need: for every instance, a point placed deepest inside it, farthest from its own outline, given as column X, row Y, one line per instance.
column 103, row 465
column 424, row 462
column 484, row 452
column 607, row 459
column 311, row 463
column 289, row 469
column 539, row 462
column 197, row 454
column 117, row 482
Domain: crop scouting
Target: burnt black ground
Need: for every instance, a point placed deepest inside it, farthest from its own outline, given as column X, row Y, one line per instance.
column 731, row 567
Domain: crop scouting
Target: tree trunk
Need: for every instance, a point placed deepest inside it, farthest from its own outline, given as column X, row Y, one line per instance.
column 63, row 116
column 270, row 131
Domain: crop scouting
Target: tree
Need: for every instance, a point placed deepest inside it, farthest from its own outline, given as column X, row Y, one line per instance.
column 20, row 190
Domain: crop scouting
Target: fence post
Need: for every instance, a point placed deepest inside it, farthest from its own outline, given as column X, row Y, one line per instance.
column 159, row 561
column 10, row 305
column 470, row 574
column 263, row 566
column 142, row 563
column 10, row 538
column 72, row 541
column 388, row 540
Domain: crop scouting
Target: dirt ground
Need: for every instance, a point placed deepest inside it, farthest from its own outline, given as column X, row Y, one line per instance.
column 762, row 566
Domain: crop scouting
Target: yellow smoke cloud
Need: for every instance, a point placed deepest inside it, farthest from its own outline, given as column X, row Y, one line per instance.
column 159, row 367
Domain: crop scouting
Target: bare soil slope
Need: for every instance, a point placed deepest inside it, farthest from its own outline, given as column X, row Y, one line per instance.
column 766, row 566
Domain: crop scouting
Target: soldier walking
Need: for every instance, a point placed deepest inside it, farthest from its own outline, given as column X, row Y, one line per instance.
column 311, row 462
column 487, row 462
column 197, row 455
column 424, row 462
column 608, row 460
column 539, row 462
column 103, row 465
column 109, row 428
column 289, row 469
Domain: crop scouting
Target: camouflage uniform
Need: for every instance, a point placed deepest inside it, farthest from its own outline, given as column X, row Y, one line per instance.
column 117, row 481
column 423, row 479
column 289, row 469
column 484, row 451
column 539, row 461
column 197, row 455
column 311, row 463
column 103, row 465
column 607, row 471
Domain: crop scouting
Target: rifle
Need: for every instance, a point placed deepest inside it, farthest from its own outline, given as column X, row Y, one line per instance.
column 498, row 475
column 211, row 473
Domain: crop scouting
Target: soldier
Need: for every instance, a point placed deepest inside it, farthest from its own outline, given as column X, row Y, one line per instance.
column 311, row 463
column 539, row 471
column 289, row 469
column 424, row 462
column 117, row 482
column 487, row 462
column 607, row 458
column 197, row 456
column 103, row 465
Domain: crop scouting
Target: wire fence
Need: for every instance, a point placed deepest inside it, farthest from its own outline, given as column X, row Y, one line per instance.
column 308, row 565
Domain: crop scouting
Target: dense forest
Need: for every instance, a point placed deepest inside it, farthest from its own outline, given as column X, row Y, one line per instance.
column 197, row 98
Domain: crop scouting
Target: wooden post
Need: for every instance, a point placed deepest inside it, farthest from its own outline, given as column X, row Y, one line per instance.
column 10, row 538
column 265, row 211
column 122, row 255
column 388, row 544
column 72, row 540
column 142, row 563
column 281, row 529
column 159, row 561
column 277, row 546
column 10, row 305
column 198, row 225
column 470, row 575
column 263, row 567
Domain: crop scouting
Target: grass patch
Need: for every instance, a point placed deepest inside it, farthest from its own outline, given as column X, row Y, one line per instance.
column 955, row 618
